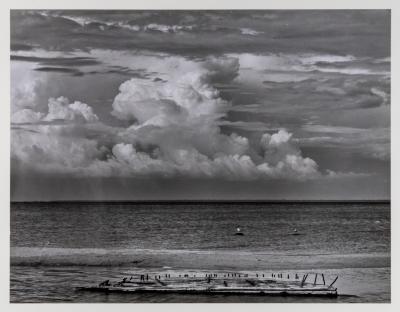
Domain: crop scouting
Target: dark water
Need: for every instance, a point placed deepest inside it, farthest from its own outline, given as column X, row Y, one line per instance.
column 43, row 230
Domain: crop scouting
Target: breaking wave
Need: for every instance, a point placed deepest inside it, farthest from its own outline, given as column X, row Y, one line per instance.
column 150, row 258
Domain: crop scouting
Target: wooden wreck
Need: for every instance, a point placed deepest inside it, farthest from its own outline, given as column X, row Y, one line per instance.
column 232, row 283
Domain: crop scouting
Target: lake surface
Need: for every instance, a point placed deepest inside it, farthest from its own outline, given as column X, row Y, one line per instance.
column 58, row 246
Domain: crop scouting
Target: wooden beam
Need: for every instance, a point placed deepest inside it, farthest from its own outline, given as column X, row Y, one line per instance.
column 333, row 282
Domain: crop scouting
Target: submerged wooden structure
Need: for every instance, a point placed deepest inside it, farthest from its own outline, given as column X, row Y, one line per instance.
column 225, row 283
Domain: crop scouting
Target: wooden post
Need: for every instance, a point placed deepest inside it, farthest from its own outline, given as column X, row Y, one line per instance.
column 315, row 280
column 304, row 279
column 333, row 281
column 323, row 278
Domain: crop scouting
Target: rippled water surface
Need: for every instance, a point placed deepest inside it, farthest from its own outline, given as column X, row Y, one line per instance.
column 325, row 229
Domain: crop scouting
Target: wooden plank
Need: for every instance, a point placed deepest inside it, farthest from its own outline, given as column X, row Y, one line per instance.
column 226, row 290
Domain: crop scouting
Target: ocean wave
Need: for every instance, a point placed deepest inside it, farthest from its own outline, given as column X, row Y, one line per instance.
column 35, row 256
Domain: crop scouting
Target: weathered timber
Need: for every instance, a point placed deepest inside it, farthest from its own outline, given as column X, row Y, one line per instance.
column 256, row 286
column 334, row 281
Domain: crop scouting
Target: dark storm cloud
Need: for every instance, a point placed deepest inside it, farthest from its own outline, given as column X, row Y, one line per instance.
column 71, row 65
column 71, row 71
column 129, row 72
column 57, row 61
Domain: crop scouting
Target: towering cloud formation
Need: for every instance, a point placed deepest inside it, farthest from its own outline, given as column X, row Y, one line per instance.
column 181, row 100
column 173, row 131
column 285, row 158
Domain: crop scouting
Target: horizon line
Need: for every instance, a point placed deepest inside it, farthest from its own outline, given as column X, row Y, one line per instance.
column 209, row 201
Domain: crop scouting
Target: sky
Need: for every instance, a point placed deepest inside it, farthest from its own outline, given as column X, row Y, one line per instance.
column 208, row 105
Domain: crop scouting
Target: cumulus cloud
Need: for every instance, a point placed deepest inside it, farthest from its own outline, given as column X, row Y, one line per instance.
column 174, row 130
column 58, row 109
column 338, row 175
column 29, row 103
column 26, row 87
column 52, row 153
column 283, row 158
column 62, row 109
column 177, row 101
column 26, row 115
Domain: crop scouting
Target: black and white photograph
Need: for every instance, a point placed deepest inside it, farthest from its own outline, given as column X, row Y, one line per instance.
column 200, row 156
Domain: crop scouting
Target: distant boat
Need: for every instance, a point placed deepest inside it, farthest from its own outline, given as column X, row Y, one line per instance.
column 238, row 231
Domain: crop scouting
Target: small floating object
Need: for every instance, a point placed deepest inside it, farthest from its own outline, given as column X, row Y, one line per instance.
column 238, row 231
column 295, row 232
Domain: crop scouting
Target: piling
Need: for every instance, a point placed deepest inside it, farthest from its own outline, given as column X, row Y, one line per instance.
column 334, row 281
